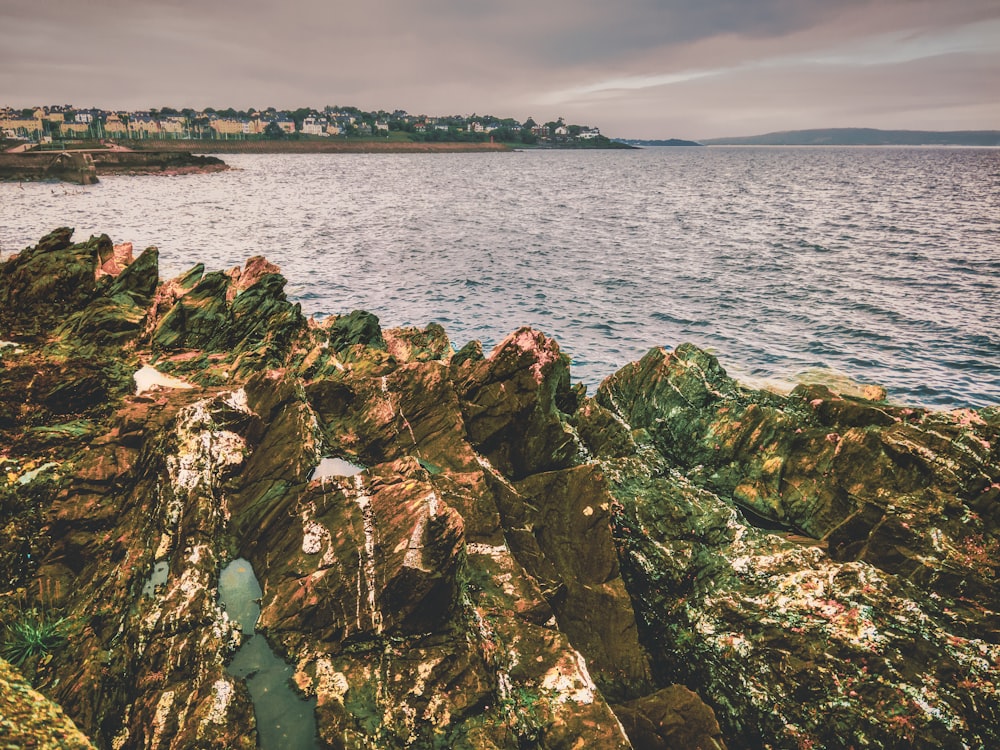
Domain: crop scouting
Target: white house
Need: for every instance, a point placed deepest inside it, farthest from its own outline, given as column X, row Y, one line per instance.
column 314, row 126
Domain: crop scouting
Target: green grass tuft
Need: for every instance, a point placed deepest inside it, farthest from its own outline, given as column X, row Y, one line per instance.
column 31, row 636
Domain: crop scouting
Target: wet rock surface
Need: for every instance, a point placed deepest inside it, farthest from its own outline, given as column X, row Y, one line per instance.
column 677, row 562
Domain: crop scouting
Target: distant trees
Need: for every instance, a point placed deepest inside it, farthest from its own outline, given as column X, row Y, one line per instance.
column 299, row 115
column 402, row 125
column 273, row 131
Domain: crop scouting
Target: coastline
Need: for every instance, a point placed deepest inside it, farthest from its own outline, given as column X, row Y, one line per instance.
column 311, row 147
column 84, row 166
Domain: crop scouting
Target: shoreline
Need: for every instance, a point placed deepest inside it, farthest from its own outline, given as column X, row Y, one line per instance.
column 311, row 147
column 84, row 166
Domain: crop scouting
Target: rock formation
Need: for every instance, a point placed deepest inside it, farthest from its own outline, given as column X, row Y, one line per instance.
column 677, row 562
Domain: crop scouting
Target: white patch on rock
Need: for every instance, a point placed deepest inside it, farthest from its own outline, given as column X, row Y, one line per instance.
column 499, row 550
column 424, row 671
column 415, row 549
column 163, row 708
column 367, row 555
column 30, row 476
column 203, row 449
column 147, row 378
column 570, row 681
column 237, row 400
column 163, row 548
column 222, row 692
column 313, row 534
column 437, row 711
column 119, row 740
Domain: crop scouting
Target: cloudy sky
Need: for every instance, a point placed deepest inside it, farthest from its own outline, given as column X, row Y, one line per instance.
column 635, row 68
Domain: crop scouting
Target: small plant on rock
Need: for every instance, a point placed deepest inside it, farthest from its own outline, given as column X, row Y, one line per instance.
column 32, row 635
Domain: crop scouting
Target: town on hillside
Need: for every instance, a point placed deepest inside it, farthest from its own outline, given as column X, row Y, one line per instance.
column 60, row 123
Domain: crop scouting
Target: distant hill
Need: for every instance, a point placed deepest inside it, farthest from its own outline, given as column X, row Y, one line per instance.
column 668, row 142
column 864, row 137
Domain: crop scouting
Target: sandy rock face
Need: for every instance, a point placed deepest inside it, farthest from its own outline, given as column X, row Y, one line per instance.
column 494, row 560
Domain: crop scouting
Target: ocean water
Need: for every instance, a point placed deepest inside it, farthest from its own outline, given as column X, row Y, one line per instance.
column 878, row 265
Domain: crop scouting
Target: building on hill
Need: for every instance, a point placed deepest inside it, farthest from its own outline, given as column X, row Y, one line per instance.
column 315, row 126
column 226, row 127
column 142, row 126
column 21, row 127
column 114, row 127
column 173, row 127
column 74, row 129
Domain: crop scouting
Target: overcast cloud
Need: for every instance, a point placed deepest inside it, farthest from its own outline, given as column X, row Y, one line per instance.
column 635, row 68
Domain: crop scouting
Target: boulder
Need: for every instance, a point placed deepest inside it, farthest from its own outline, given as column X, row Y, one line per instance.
column 673, row 718
column 510, row 402
column 814, row 567
column 32, row 720
column 44, row 284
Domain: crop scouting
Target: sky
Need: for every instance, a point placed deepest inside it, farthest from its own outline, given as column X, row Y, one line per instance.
column 634, row 68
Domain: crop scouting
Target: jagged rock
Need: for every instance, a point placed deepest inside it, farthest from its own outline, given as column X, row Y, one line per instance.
column 167, row 295
column 790, row 645
column 255, row 269
column 560, row 529
column 117, row 316
column 509, row 402
column 43, row 284
column 810, row 570
column 121, row 258
column 360, row 328
column 246, row 317
column 418, row 345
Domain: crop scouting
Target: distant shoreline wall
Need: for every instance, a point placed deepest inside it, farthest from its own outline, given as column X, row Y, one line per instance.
column 83, row 167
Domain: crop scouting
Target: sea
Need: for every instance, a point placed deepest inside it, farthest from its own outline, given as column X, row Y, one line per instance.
column 837, row 265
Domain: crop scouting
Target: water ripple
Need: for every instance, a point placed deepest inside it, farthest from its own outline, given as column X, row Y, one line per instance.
column 879, row 264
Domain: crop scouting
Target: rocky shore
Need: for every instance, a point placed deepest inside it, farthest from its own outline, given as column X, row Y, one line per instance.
column 83, row 167
column 499, row 560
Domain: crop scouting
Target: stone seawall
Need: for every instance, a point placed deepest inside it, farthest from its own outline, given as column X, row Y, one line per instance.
column 83, row 167
column 77, row 167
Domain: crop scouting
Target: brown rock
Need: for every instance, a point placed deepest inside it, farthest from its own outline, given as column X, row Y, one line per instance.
column 673, row 718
